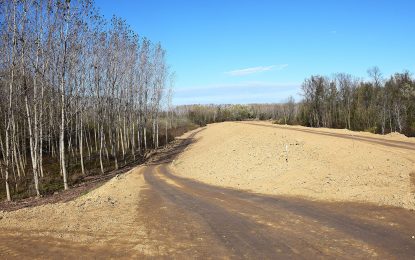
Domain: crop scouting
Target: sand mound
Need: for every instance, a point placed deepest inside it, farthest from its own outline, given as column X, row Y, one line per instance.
column 397, row 135
column 103, row 214
column 280, row 161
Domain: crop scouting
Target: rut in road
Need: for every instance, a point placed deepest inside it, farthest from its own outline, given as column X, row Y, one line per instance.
column 244, row 224
column 390, row 143
column 195, row 219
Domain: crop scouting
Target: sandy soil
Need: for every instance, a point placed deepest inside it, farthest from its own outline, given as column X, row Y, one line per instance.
column 149, row 212
column 105, row 216
column 253, row 157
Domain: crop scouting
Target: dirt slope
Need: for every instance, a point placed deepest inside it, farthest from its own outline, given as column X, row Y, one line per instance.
column 104, row 217
column 254, row 157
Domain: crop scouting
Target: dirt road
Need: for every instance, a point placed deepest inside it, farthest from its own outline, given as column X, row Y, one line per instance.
column 205, row 221
column 177, row 217
column 351, row 136
column 198, row 220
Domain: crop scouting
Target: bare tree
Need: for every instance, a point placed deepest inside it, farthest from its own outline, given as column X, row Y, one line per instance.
column 74, row 90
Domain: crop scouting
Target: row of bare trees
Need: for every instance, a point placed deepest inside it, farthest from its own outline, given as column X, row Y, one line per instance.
column 380, row 105
column 75, row 90
column 206, row 114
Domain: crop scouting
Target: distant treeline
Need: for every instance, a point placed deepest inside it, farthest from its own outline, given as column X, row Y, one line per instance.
column 377, row 105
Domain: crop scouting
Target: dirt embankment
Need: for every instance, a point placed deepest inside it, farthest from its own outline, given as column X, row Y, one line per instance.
column 99, row 217
column 271, row 160
column 105, row 222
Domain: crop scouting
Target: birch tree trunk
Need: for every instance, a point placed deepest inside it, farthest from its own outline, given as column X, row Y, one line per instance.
column 63, row 100
column 9, row 107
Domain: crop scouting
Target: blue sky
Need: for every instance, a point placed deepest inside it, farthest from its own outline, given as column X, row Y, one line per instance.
column 261, row 51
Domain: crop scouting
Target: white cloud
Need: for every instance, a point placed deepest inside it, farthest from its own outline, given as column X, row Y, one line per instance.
column 239, row 98
column 239, row 85
column 238, row 92
column 253, row 70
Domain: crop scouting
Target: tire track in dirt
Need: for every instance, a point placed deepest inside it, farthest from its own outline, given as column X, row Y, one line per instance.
column 21, row 246
column 248, row 225
column 373, row 140
column 412, row 179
